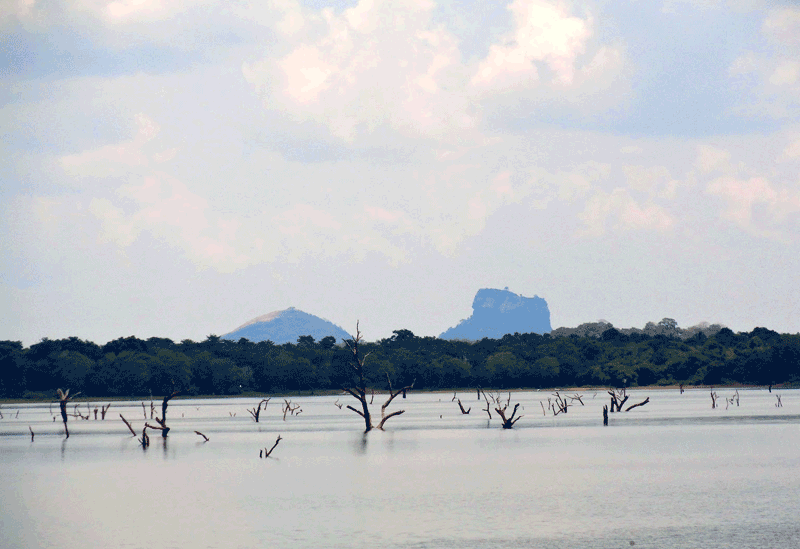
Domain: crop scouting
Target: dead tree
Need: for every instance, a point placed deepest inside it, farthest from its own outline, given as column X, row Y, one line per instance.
column 255, row 412
column 338, row 404
column 618, row 398
column 31, row 430
column 778, row 404
column 359, row 392
column 508, row 422
column 577, row 397
column 103, row 410
column 266, row 453
column 560, row 405
column 63, row 398
column 162, row 421
column 289, row 407
column 714, row 397
column 463, row 411
column 605, row 415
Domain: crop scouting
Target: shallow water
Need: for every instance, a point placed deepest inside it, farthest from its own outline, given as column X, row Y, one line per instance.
column 674, row 473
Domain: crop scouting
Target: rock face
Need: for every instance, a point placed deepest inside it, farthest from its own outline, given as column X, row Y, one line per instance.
column 285, row 327
column 496, row 313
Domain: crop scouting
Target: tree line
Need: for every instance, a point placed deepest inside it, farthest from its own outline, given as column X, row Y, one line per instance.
column 132, row 367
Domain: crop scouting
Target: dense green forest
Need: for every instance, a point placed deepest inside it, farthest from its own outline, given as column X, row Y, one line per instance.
column 131, row 367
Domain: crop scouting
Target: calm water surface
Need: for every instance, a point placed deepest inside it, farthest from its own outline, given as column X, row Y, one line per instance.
column 674, row 473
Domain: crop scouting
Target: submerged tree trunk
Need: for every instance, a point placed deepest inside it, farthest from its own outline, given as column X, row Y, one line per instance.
column 162, row 421
column 63, row 399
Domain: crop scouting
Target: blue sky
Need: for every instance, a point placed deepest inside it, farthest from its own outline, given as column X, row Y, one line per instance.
column 176, row 167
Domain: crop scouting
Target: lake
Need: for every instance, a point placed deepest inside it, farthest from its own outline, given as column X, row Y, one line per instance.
column 672, row 474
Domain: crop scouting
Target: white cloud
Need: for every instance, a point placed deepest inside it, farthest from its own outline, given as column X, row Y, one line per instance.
column 619, row 209
column 545, row 33
column 377, row 63
column 743, row 196
column 710, row 158
column 783, row 25
column 776, row 69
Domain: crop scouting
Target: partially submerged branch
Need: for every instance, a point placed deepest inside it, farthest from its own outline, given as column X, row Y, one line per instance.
column 267, row 453
column 128, row 424
column 461, row 406
column 642, row 403
column 202, row 435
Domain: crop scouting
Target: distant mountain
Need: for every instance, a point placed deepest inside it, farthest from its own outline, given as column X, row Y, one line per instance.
column 285, row 327
column 496, row 313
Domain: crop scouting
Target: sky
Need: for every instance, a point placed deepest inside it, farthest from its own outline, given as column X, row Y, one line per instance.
column 174, row 168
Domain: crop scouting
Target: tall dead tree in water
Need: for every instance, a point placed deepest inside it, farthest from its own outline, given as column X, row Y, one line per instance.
column 162, row 421
column 63, row 398
column 359, row 392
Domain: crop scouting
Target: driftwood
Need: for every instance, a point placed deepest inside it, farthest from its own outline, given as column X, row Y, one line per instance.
column 463, row 411
column 266, row 453
column 338, row 404
column 128, row 424
column 202, row 435
column 255, row 412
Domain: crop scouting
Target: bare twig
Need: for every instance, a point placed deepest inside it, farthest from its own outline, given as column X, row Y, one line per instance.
column 202, row 435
